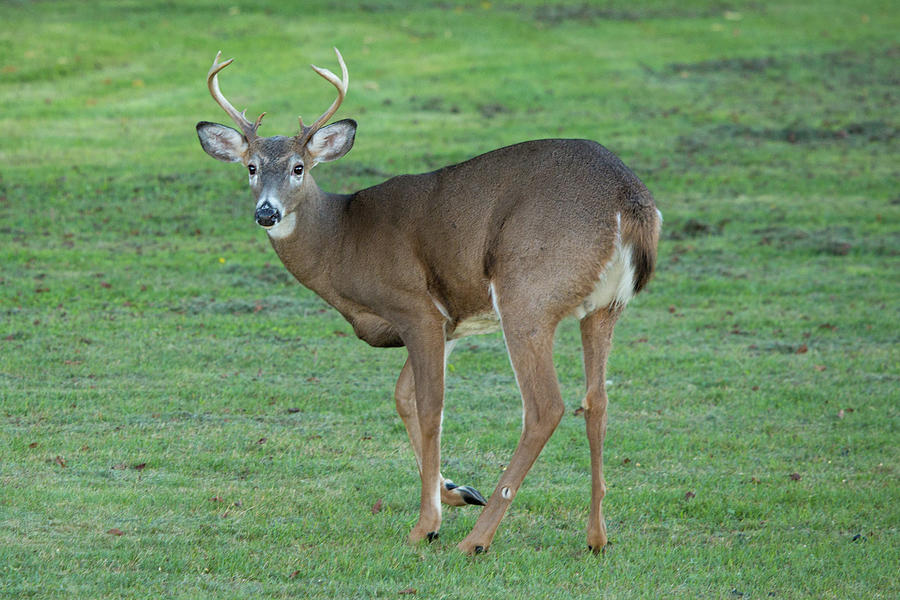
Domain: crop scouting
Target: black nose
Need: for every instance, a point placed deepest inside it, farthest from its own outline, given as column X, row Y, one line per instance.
column 267, row 215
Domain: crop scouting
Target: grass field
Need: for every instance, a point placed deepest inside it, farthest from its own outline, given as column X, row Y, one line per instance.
column 179, row 419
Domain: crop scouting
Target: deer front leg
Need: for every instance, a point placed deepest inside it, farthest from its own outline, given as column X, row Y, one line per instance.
column 405, row 395
column 426, row 355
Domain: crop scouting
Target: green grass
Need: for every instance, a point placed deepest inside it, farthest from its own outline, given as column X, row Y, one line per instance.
column 144, row 319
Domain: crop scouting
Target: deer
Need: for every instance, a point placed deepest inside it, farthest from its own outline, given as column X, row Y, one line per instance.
column 514, row 240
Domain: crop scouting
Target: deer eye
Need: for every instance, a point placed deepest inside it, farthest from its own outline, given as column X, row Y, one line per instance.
column 298, row 169
column 252, row 169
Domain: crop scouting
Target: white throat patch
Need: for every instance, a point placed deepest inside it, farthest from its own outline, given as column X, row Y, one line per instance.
column 284, row 227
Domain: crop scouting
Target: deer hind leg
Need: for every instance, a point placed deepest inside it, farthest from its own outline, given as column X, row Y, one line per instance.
column 596, row 339
column 530, row 347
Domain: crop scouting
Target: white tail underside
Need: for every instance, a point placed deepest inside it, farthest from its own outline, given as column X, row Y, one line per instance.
column 615, row 285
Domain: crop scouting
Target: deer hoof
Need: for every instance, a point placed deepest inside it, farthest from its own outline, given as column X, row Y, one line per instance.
column 432, row 535
column 461, row 495
column 597, row 549
column 470, row 495
column 471, row 548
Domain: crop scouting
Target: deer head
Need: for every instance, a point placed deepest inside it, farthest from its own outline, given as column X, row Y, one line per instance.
column 277, row 166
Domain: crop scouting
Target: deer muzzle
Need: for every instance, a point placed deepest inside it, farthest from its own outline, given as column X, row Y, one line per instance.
column 267, row 215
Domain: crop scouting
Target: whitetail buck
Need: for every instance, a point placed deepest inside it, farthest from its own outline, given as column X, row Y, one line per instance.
column 515, row 239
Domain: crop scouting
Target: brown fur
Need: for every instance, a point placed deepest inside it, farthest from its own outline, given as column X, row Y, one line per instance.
column 526, row 229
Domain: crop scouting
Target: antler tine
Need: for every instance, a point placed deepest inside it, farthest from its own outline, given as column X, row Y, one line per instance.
column 341, row 84
column 240, row 118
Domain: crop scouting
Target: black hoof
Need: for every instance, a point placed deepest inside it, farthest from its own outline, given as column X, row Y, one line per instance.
column 470, row 495
column 432, row 535
column 479, row 549
column 450, row 485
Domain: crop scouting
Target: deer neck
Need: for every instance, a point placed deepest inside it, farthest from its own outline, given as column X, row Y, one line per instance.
column 305, row 238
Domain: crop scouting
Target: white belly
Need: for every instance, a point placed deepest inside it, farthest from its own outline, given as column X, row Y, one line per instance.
column 477, row 325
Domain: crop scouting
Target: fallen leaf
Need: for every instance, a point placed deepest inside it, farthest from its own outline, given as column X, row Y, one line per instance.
column 85, row 448
column 579, row 411
column 120, row 466
column 33, row 445
column 671, row 309
column 216, row 499
column 293, row 410
column 626, row 461
column 689, row 495
column 340, row 334
column 59, row 460
column 262, row 440
column 802, row 349
column 294, row 574
column 795, row 476
column 105, row 284
column 408, row 591
column 848, row 409
column 376, row 508
column 115, row 531
column 754, row 480
column 140, row 467
column 820, row 368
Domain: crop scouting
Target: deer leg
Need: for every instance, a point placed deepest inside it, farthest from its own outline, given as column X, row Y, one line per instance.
column 426, row 355
column 531, row 354
column 405, row 395
column 596, row 339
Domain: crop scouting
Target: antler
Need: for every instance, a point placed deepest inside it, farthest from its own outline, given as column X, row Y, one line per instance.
column 341, row 85
column 240, row 118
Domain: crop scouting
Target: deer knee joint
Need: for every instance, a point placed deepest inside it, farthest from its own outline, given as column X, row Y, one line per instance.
column 595, row 400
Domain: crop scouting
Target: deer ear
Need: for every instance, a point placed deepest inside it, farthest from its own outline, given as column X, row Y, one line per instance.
column 333, row 141
column 220, row 142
